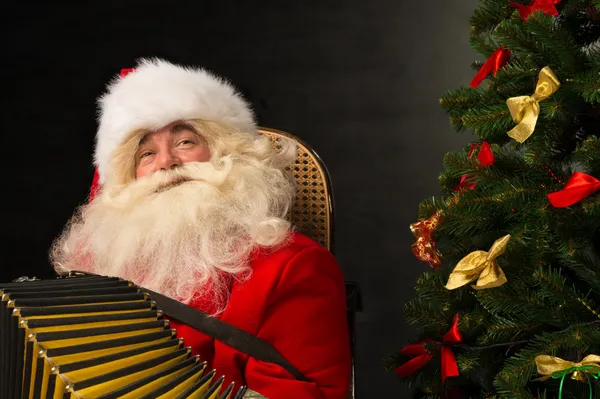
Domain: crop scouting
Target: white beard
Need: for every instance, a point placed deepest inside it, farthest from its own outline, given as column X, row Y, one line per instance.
column 184, row 240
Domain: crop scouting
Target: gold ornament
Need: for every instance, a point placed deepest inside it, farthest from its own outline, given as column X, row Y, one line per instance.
column 424, row 248
column 480, row 265
column 526, row 109
column 550, row 366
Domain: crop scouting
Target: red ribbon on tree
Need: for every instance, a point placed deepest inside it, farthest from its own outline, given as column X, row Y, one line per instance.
column 577, row 188
column 422, row 355
column 547, row 6
column 495, row 62
column 453, row 336
column 465, row 184
column 485, row 158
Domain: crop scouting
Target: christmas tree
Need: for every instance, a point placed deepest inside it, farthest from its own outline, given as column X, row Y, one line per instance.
column 510, row 305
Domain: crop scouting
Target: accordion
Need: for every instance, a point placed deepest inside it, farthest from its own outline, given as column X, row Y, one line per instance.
column 96, row 337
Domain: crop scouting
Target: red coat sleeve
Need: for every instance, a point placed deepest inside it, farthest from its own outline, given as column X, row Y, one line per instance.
column 305, row 320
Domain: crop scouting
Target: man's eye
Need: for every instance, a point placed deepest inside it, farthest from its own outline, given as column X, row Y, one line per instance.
column 185, row 142
column 145, row 154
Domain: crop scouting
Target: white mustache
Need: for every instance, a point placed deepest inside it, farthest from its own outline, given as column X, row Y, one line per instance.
column 193, row 171
column 212, row 173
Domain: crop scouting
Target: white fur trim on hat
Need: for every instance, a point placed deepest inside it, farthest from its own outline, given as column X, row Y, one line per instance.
column 158, row 93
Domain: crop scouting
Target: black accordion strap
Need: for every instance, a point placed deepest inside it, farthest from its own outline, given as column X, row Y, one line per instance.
column 224, row 332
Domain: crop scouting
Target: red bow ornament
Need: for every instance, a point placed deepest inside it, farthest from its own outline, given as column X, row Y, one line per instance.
column 577, row 188
column 422, row 354
column 485, row 158
column 547, row 6
column 464, row 184
column 492, row 65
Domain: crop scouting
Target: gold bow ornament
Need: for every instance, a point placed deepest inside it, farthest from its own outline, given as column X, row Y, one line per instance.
column 550, row 366
column 480, row 266
column 555, row 367
column 526, row 109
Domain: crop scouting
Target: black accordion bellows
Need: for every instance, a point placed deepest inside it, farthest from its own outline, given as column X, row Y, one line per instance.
column 95, row 337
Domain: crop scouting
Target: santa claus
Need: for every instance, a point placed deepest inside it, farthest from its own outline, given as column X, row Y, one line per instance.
column 191, row 202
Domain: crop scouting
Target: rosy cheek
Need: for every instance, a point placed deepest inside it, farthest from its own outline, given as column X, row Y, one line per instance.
column 205, row 153
column 141, row 170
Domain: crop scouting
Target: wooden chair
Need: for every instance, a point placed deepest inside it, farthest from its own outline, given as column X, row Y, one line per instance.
column 312, row 214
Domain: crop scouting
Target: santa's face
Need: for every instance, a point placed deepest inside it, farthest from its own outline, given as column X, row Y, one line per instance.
column 169, row 147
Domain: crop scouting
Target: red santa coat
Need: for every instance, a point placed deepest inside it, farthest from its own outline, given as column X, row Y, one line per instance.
column 296, row 301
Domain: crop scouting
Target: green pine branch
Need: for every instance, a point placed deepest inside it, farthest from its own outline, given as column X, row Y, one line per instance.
column 587, row 155
column 516, row 76
column 489, row 120
column 541, row 40
column 569, row 303
column 488, row 14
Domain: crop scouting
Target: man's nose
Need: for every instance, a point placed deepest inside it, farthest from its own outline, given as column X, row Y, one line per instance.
column 168, row 160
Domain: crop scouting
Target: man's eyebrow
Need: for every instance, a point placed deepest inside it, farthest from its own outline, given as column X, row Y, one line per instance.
column 182, row 126
column 178, row 127
column 144, row 138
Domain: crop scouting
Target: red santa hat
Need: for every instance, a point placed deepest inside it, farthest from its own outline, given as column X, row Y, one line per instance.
column 156, row 93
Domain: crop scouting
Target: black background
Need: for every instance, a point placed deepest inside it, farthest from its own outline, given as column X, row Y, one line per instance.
column 359, row 80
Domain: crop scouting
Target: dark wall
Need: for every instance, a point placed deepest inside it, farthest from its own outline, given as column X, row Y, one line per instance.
column 359, row 80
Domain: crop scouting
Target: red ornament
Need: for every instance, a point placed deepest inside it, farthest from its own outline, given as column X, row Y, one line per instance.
column 424, row 248
column 465, row 184
column 422, row 355
column 453, row 336
column 495, row 62
column 547, row 6
column 577, row 188
column 485, row 158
